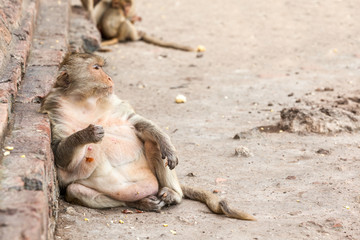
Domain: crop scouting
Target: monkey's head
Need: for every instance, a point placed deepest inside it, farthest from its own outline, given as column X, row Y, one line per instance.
column 81, row 74
column 124, row 4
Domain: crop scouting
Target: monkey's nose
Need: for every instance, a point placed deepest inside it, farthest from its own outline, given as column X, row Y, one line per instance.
column 110, row 82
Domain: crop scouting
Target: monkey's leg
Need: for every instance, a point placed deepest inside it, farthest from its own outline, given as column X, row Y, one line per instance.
column 127, row 31
column 69, row 151
column 82, row 195
column 169, row 187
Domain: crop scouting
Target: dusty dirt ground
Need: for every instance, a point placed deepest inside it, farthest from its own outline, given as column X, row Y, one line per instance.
column 262, row 57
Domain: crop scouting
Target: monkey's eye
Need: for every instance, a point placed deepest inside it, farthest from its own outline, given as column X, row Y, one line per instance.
column 96, row 66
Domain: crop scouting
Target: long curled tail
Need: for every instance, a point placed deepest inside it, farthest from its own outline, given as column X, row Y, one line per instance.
column 152, row 40
column 214, row 203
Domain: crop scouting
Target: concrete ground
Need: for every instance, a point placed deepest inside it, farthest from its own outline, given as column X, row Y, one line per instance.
column 262, row 57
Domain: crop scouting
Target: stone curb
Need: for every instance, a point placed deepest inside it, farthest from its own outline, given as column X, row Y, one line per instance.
column 17, row 49
column 28, row 178
column 28, row 188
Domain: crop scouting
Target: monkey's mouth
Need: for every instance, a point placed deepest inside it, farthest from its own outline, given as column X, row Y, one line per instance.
column 104, row 91
column 110, row 89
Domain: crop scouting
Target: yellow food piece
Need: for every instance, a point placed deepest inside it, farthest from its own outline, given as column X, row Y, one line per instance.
column 86, row 219
column 180, row 99
column 165, row 225
column 121, row 221
column 9, row 148
column 201, row 48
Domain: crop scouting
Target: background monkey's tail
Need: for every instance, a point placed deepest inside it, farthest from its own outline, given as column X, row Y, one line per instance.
column 152, row 40
column 214, row 203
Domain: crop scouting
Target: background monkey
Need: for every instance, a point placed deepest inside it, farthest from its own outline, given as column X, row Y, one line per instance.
column 117, row 25
column 96, row 8
column 109, row 156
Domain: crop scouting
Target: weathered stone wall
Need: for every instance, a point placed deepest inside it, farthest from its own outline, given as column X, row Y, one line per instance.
column 33, row 41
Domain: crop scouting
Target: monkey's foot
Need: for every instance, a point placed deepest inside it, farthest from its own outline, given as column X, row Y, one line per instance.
column 169, row 196
column 141, row 34
column 150, row 203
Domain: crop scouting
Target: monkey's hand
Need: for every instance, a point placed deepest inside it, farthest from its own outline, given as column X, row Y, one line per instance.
column 135, row 19
column 169, row 154
column 94, row 133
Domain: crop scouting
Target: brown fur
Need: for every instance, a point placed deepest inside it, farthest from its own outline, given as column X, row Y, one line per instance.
column 117, row 25
column 96, row 8
column 214, row 203
column 106, row 154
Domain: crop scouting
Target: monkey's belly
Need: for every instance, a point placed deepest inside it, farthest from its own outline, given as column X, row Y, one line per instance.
column 122, row 147
column 124, row 173
column 110, row 26
column 128, row 183
column 134, row 191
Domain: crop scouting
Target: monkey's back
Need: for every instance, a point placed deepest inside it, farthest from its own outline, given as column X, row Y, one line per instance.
column 110, row 23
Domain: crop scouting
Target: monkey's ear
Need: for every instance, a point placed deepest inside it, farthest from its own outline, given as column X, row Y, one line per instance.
column 62, row 80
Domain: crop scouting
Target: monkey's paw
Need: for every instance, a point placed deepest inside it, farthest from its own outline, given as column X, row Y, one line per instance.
column 151, row 203
column 95, row 132
column 170, row 157
column 169, row 196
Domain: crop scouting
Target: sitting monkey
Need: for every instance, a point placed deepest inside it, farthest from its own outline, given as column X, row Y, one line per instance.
column 117, row 25
column 96, row 8
column 106, row 155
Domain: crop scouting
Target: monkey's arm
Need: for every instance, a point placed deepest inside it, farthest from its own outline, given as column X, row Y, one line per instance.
column 99, row 10
column 148, row 131
column 88, row 4
column 70, row 150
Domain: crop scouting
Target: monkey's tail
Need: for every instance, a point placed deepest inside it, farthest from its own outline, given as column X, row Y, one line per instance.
column 109, row 42
column 152, row 40
column 214, row 203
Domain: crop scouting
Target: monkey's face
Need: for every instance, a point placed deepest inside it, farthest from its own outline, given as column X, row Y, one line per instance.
column 102, row 83
column 121, row 3
column 124, row 4
column 84, row 76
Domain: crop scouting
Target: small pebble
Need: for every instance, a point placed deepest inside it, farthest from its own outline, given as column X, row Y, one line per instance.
column 242, row 151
